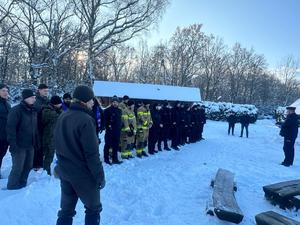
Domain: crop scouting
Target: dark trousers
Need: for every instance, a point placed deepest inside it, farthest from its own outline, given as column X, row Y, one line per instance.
column 153, row 138
column 21, row 165
column 289, row 151
column 231, row 127
column 87, row 191
column 246, row 128
column 48, row 158
column 175, row 137
column 3, row 150
column 38, row 157
column 111, row 141
column 201, row 130
column 163, row 137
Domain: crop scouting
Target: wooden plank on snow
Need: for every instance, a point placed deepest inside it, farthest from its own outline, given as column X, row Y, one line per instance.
column 273, row 218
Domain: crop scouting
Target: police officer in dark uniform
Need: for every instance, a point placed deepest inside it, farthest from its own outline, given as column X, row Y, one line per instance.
column 113, row 124
column 155, row 129
column 175, row 122
column 165, row 115
column 289, row 130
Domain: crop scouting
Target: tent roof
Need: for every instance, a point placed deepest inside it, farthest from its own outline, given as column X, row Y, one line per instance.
column 146, row 91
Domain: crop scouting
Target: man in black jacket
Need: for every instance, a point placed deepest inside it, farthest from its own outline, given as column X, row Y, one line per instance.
column 42, row 100
column 155, row 129
column 289, row 130
column 4, row 110
column 245, row 121
column 78, row 166
column 164, row 133
column 22, row 136
column 231, row 119
column 113, row 124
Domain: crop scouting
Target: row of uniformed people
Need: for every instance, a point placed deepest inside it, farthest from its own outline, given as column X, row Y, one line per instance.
column 130, row 126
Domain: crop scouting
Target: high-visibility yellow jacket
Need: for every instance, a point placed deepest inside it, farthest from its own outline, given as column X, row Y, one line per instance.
column 128, row 119
column 144, row 120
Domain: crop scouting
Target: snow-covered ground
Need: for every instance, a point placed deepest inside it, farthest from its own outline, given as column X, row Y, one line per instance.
column 170, row 188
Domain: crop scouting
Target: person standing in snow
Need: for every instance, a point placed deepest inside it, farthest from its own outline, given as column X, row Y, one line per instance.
column 245, row 121
column 50, row 114
column 4, row 110
column 231, row 119
column 78, row 162
column 164, row 130
column 155, row 129
column 41, row 101
column 22, row 135
column 289, row 130
column 113, row 124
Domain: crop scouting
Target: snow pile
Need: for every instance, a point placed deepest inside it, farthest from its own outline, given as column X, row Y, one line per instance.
column 169, row 188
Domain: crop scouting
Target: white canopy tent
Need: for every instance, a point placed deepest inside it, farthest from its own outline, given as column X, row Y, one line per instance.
column 297, row 105
column 146, row 91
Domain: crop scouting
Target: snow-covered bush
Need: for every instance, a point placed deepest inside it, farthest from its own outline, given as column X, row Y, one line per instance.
column 220, row 110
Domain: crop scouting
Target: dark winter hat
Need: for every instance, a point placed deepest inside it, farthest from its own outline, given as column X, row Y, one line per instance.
column 55, row 100
column 291, row 108
column 26, row 93
column 42, row 86
column 130, row 103
column 3, row 86
column 115, row 99
column 125, row 97
column 83, row 93
column 67, row 95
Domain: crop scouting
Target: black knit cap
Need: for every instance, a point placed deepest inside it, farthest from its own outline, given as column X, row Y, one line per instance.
column 55, row 100
column 3, row 86
column 42, row 86
column 67, row 95
column 130, row 103
column 115, row 99
column 125, row 97
column 83, row 93
column 26, row 93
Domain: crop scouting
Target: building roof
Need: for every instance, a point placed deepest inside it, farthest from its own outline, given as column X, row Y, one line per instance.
column 297, row 105
column 146, row 91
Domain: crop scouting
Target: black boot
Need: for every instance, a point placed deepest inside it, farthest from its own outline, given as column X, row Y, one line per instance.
column 107, row 161
column 144, row 154
column 116, row 161
column 64, row 221
column 92, row 219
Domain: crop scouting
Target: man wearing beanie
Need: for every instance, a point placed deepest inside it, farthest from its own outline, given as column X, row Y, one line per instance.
column 50, row 115
column 4, row 110
column 67, row 98
column 41, row 101
column 22, row 137
column 79, row 167
column 124, row 102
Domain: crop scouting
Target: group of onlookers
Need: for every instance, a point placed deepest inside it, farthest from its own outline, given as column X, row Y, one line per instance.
column 233, row 118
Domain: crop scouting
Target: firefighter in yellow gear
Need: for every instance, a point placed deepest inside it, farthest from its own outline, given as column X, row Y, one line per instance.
column 144, row 122
column 128, row 130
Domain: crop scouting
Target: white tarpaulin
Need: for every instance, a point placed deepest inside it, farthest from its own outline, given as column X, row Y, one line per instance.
column 297, row 105
column 146, row 91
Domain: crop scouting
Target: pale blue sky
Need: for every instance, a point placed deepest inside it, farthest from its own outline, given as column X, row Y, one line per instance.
column 271, row 27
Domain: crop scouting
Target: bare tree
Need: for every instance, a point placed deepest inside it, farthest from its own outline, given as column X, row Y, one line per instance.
column 287, row 72
column 111, row 22
column 185, row 54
